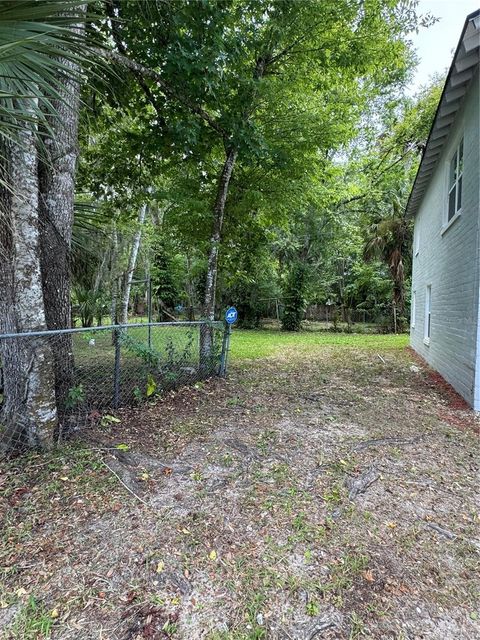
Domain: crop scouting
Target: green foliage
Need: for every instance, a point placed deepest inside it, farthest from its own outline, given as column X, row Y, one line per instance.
column 309, row 94
column 295, row 297
column 35, row 37
column 176, row 355
column 164, row 287
column 248, row 273
column 140, row 349
column 88, row 305
column 75, row 396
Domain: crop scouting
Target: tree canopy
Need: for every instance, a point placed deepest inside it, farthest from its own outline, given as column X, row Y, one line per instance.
column 240, row 152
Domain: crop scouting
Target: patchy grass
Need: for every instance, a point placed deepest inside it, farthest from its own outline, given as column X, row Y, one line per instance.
column 225, row 511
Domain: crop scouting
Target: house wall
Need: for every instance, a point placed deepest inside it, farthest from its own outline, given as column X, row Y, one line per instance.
column 448, row 260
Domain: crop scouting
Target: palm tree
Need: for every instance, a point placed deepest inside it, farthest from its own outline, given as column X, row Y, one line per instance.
column 41, row 57
column 39, row 41
column 389, row 240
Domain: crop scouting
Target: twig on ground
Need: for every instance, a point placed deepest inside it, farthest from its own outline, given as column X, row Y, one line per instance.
column 135, row 495
column 382, row 359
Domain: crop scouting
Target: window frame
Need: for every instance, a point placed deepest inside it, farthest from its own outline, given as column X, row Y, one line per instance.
column 457, row 184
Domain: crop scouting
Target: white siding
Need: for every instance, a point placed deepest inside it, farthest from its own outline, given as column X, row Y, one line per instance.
column 450, row 263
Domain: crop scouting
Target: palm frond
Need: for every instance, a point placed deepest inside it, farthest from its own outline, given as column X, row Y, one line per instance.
column 39, row 41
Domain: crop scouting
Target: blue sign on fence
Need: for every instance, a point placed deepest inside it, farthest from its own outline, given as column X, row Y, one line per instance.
column 231, row 315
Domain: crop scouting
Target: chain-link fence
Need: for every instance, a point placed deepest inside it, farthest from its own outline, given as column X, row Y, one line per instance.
column 72, row 377
column 329, row 317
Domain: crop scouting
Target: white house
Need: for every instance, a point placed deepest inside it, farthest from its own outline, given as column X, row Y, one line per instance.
column 445, row 203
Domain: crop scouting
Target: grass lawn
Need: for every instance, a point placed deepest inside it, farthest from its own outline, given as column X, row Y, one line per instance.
column 320, row 492
column 259, row 344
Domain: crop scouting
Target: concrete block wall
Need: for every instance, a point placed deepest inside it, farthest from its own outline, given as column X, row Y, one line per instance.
column 448, row 260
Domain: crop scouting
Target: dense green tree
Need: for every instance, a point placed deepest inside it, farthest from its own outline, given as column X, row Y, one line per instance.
column 233, row 71
column 295, row 297
column 164, row 287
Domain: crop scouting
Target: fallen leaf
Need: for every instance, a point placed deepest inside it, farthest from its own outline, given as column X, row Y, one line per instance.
column 54, row 613
column 160, row 566
column 212, row 555
column 368, row 575
column 130, row 597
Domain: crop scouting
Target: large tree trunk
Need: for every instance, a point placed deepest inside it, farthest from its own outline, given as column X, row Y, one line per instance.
column 57, row 191
column 132, row 262
column 29, row 412
column 206, row 335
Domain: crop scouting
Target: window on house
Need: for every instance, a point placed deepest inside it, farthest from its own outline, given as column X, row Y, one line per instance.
column 413, row 310
column 455, row 178
column 428, row 314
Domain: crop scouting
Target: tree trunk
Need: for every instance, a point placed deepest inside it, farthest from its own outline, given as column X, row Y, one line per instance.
column 132, row 261
column 218, row 215
column 100, row 275
column 206, row 334
column 190, row 289
column 99, row 278
column 29, row 410
column 57, row 191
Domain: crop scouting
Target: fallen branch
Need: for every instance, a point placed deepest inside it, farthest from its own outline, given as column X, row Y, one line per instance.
column 329, row 620
column 384, row 441
column 443, row 532
column 361, row 483
column 166, row 312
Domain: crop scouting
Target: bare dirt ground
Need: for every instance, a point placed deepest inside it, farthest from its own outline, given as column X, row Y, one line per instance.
column 328, row 494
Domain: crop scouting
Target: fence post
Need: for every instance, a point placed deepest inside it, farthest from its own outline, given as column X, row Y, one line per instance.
column 116, row 370
column 225, row 348
column 149, row 304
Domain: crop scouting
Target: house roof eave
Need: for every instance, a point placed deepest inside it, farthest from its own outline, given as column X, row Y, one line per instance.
column 464, row 65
